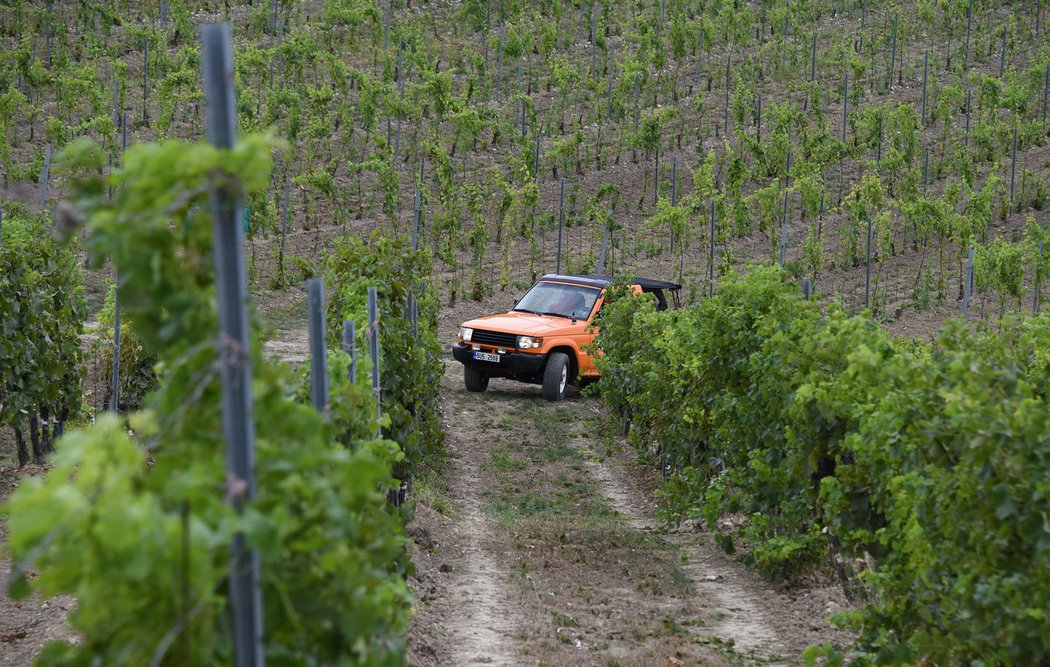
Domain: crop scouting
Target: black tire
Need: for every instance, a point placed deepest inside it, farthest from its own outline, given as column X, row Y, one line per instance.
column 556, row 376
column 474, row 379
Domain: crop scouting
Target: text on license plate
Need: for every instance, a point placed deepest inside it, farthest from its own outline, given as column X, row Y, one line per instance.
column 485, row 356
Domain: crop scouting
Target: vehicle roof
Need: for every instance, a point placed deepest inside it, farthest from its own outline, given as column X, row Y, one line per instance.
column 602, row 281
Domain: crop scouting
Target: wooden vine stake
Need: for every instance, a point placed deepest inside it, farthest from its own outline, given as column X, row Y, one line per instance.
column 234, row 345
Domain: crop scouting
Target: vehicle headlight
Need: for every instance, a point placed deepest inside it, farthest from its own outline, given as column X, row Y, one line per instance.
column 465, row 333
column 528, row 342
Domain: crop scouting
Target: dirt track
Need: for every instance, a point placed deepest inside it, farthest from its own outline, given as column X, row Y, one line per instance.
column 540, row 545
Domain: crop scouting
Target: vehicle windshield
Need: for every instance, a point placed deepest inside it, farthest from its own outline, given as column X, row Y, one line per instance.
column 559, row 299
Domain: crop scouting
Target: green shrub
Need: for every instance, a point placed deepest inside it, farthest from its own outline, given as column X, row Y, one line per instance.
column 918, row 470
column 136, row 524
column 42, row 311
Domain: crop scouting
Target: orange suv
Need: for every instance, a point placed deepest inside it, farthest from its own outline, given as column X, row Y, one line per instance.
column 541, row 340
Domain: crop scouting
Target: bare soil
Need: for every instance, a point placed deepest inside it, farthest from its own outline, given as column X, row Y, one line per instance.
column 539, row 545
column 26, row 626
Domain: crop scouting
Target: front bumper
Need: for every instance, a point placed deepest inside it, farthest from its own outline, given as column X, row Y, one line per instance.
column 524, row 366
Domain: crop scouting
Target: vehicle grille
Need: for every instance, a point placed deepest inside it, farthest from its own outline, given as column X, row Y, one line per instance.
column 494, row 338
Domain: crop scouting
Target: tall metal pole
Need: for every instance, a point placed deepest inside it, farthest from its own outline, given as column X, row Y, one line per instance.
column 729, row 62
column 969, row 96
column 284, row 218
column 1013, row 170
column 318, row 351
column 967, row 285
column 1038, row 277
column 845, row 104
column 656, row 179
column 373, row 352
column 966, row 49
column 350, row 347
column 893, row 54
column 711, row 255
column 145, row 79
column 234, row 345
column 605, row 248
column 758, row 119
column 44, row 176
column 813, row 61
column 114, row 395
column 1002, row 55
column 561, row 224
column 925, row 74
column 867, row 271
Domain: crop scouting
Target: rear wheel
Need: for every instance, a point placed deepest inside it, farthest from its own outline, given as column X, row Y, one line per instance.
column 556, row 376
column 474, row 379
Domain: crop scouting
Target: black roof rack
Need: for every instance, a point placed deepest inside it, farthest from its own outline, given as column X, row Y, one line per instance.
column 649, row 283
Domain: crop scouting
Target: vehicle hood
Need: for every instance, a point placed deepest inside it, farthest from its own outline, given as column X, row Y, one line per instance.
column 527, row 324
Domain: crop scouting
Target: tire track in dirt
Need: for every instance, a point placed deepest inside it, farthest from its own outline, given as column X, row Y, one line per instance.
column 738, row 619
column 746, row 614
column 468, row 615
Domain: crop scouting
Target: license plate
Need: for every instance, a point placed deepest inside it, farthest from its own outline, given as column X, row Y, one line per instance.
column 485, row 356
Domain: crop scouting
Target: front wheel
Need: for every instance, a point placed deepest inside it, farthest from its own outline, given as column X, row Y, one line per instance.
column 556, row 376
column 474, row 379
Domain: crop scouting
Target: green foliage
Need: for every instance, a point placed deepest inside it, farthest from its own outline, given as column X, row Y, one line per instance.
column 918, row 470
column 136, row 523
column 42, row 312
column 410, row 360
column 136, row 375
